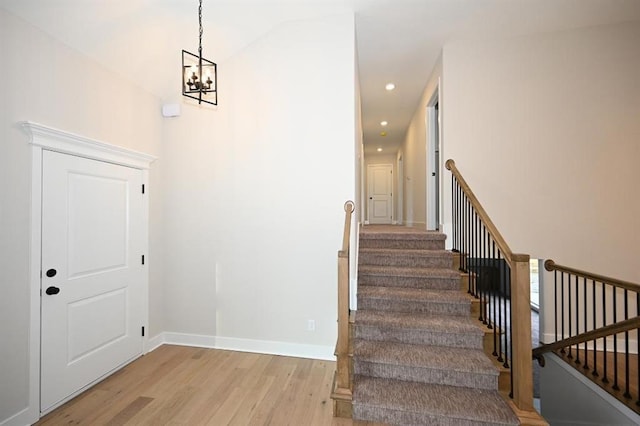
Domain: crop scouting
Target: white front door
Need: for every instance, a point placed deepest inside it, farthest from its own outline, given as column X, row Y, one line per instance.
column 93, row 296
column 380, row 178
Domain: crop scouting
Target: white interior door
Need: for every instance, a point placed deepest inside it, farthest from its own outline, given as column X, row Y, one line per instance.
column 380, row 187
column 93, row 293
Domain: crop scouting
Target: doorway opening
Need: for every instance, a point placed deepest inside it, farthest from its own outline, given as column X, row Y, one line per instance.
column 434, row 145
column 380, row 193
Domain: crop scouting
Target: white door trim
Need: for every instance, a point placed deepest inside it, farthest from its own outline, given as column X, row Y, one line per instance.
column 47, row 138
column 399, row 199
column 433, row 120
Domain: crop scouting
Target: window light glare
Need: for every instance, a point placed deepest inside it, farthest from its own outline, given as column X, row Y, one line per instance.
column 390, row 86
column 383, row 123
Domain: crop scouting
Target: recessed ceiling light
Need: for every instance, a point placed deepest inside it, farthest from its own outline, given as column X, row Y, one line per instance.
column 390, row 86
column 383, row 123
column 379, row 149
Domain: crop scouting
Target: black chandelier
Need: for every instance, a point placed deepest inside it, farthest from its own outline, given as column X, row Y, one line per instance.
column 199, row 75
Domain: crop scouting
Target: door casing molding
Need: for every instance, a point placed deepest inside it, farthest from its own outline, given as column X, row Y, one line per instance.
column 48, row 138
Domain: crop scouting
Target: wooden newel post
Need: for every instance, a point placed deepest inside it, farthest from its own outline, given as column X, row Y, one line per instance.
column 341, row 393
column 521, row 361
column 342, row 354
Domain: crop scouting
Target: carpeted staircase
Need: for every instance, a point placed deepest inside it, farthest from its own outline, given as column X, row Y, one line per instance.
column 417, row 353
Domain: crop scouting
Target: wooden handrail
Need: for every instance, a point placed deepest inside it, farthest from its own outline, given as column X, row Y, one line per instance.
column 482, row 213
column 521, row 364
column 551, row 266
column 598, row 333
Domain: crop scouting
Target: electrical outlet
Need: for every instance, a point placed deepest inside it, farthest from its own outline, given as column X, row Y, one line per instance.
column 311, row 325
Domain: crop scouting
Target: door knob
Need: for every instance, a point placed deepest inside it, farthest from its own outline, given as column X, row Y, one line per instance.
column 51, row 273
column 52, row 290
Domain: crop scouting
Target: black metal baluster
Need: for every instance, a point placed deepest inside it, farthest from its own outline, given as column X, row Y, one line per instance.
column 493, row 323
column 555, row 301
column 498, row 325
column 637, row 348
column 468, row 247
column 570, row 356
column 626, row 347
column 507, row 299
column 510, row 327
column 475, row 260
column 459, row 218
column 615, row 340
column 463, row 230
column 474, row 254
column 577, row 321
column 453, row 213
column 604, row 339
column 586, row 352
column 595, row 341
column 562, row 351
column 483, row 255
column 467, row 206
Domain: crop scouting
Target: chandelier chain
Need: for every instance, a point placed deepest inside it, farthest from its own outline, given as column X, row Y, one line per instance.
column 200, row 34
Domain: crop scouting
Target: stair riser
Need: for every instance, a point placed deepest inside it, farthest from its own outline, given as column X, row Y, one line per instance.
column 402, row 244
column 418, row 307
column 426, row 375
column 435, row 283
column 387, row 415
column 419, row 337
column 412, row 261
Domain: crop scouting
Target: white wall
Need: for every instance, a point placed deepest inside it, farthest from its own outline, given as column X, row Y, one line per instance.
column 255, row 191
column 545, row 129
column 42, row 80
column 414, row 151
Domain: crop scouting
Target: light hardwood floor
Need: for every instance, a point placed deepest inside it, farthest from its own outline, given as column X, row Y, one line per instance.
column 179, row 385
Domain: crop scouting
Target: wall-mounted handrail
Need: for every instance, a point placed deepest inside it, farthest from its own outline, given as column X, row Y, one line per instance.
column 551, row 266
column 503, row 290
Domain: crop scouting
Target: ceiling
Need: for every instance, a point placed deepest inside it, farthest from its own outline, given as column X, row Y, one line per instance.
column 398, row 41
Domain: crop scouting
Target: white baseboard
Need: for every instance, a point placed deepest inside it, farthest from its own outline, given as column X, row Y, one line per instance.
column 269, row 347
column 154, row 343
column 24, row 417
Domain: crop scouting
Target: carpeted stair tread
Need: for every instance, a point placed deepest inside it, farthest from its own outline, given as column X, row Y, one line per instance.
column 408, row 320
column 399, row 233
column 401, row 327
column 418, row 294
column 411, row 403
column 434, row 278
column 427, row 364
column 401, row 271
column 408, row 251
column 400, row 237
column 418, row 258
column 402, row 299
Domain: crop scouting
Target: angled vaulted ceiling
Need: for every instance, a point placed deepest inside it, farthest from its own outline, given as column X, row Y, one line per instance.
column 397, row 40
